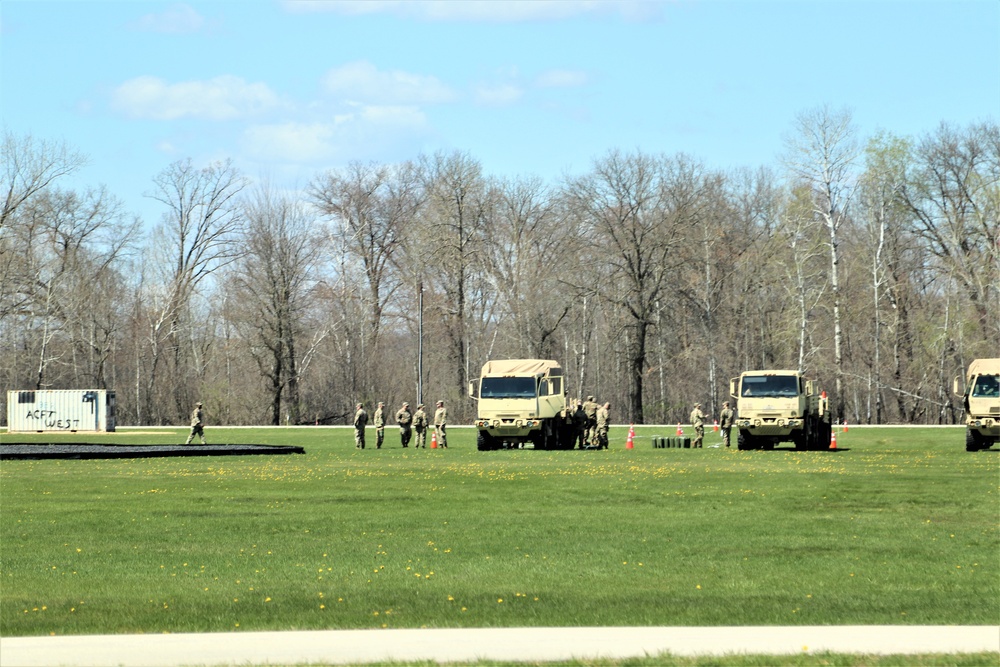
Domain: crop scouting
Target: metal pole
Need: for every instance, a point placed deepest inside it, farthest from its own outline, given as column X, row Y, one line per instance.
column 420, row 342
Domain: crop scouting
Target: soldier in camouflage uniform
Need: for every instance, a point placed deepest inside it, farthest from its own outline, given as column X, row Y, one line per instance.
column 197, row 424
column 603, row 422
column 698, row 422
column 726, row 418
column 405, row 419
column 590, row 407
column 440, row 421
column 580, row 419
column 420, row 426
column 360, row 422
column 378, row 421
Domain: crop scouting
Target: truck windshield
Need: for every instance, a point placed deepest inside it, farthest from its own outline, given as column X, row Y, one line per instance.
column 770, row 386
column 986, row 385
column 507, row 388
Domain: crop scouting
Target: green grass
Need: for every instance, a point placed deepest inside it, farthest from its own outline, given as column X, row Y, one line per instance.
column 898, row 527
column 803, row 660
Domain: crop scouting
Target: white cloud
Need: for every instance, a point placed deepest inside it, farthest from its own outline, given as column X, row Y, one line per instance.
column 221, row 98
column 495, row 95
column 361, row 131
column 177, row 19
column 295, row 142
column 561, row 78
column 361, row 81
column 486, row 11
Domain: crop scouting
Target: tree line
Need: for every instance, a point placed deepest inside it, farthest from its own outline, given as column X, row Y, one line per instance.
column 870, row 263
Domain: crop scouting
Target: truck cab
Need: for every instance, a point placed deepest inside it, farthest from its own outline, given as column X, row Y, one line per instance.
column 981, row 400
column 520, row 402
column 775, row 406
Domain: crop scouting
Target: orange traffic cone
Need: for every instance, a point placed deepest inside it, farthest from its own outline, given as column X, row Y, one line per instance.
column 434, row 440
column 845, row 426
column 629, row 444
column 833, row 439
column 680, row 431
column 715, row 426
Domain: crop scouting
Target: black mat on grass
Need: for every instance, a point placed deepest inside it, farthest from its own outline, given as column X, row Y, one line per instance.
column 80, row 450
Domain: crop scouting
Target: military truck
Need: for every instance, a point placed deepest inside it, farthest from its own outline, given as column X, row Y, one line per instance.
column 780, row 406
column 981, row 398
column 522, row 403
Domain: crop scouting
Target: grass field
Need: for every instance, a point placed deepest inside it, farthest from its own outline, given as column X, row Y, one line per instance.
column 899, row 526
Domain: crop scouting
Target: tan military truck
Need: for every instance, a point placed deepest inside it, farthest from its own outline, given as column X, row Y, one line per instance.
column 981, row 398
column 780, row 406
column 522, row 403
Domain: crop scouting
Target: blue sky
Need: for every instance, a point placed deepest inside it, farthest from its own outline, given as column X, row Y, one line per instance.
column 290, row 89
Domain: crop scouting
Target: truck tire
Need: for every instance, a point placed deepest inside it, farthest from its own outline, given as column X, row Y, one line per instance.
column 744, row 441
column 484, row 442
column 972, row 443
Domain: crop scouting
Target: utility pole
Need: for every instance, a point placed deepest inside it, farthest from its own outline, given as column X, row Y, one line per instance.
column 420, row 342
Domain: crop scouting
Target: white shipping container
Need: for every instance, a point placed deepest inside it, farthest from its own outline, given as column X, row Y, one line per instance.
column 61, row 410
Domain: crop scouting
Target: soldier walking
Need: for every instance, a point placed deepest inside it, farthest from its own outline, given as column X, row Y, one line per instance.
column 420, row 426
column 405, row 419
column 197, row 424
column 603, row 422
column 360, row 422
column 378, row 420
column 440, row 421
column 698, row 421
column 590, row 407
column 726, row 419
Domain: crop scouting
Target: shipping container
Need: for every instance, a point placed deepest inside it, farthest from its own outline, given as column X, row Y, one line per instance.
column 61, row 410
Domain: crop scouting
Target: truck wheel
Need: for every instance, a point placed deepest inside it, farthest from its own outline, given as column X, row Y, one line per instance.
column 540, row 439
column 484, row 442
column 972, row 443
column 744, row 441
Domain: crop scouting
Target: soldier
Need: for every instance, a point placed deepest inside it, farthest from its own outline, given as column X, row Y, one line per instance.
column 440, row 421
column 590, row 409
column 726, row 419
column 580, row 418
column 567, row 431
column 360, row 421
column 404, row 418
column 698, row 422
column 420, row 426
column 197, row 424
column 378, row 420
column 603, row 422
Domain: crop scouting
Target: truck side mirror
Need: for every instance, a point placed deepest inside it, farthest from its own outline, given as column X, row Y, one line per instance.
column 810, row 388
column 955, row 386
column 732, row 387
column 472, row 389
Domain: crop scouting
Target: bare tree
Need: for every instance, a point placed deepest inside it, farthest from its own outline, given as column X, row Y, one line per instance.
column 456, row 206
column 195, row 238
column 821, row 153
column 526, row 253
column 372, row 207
column 953, row 196
column 885, row 218
column 29, row 169
column 270, row 286
column 625, row 209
